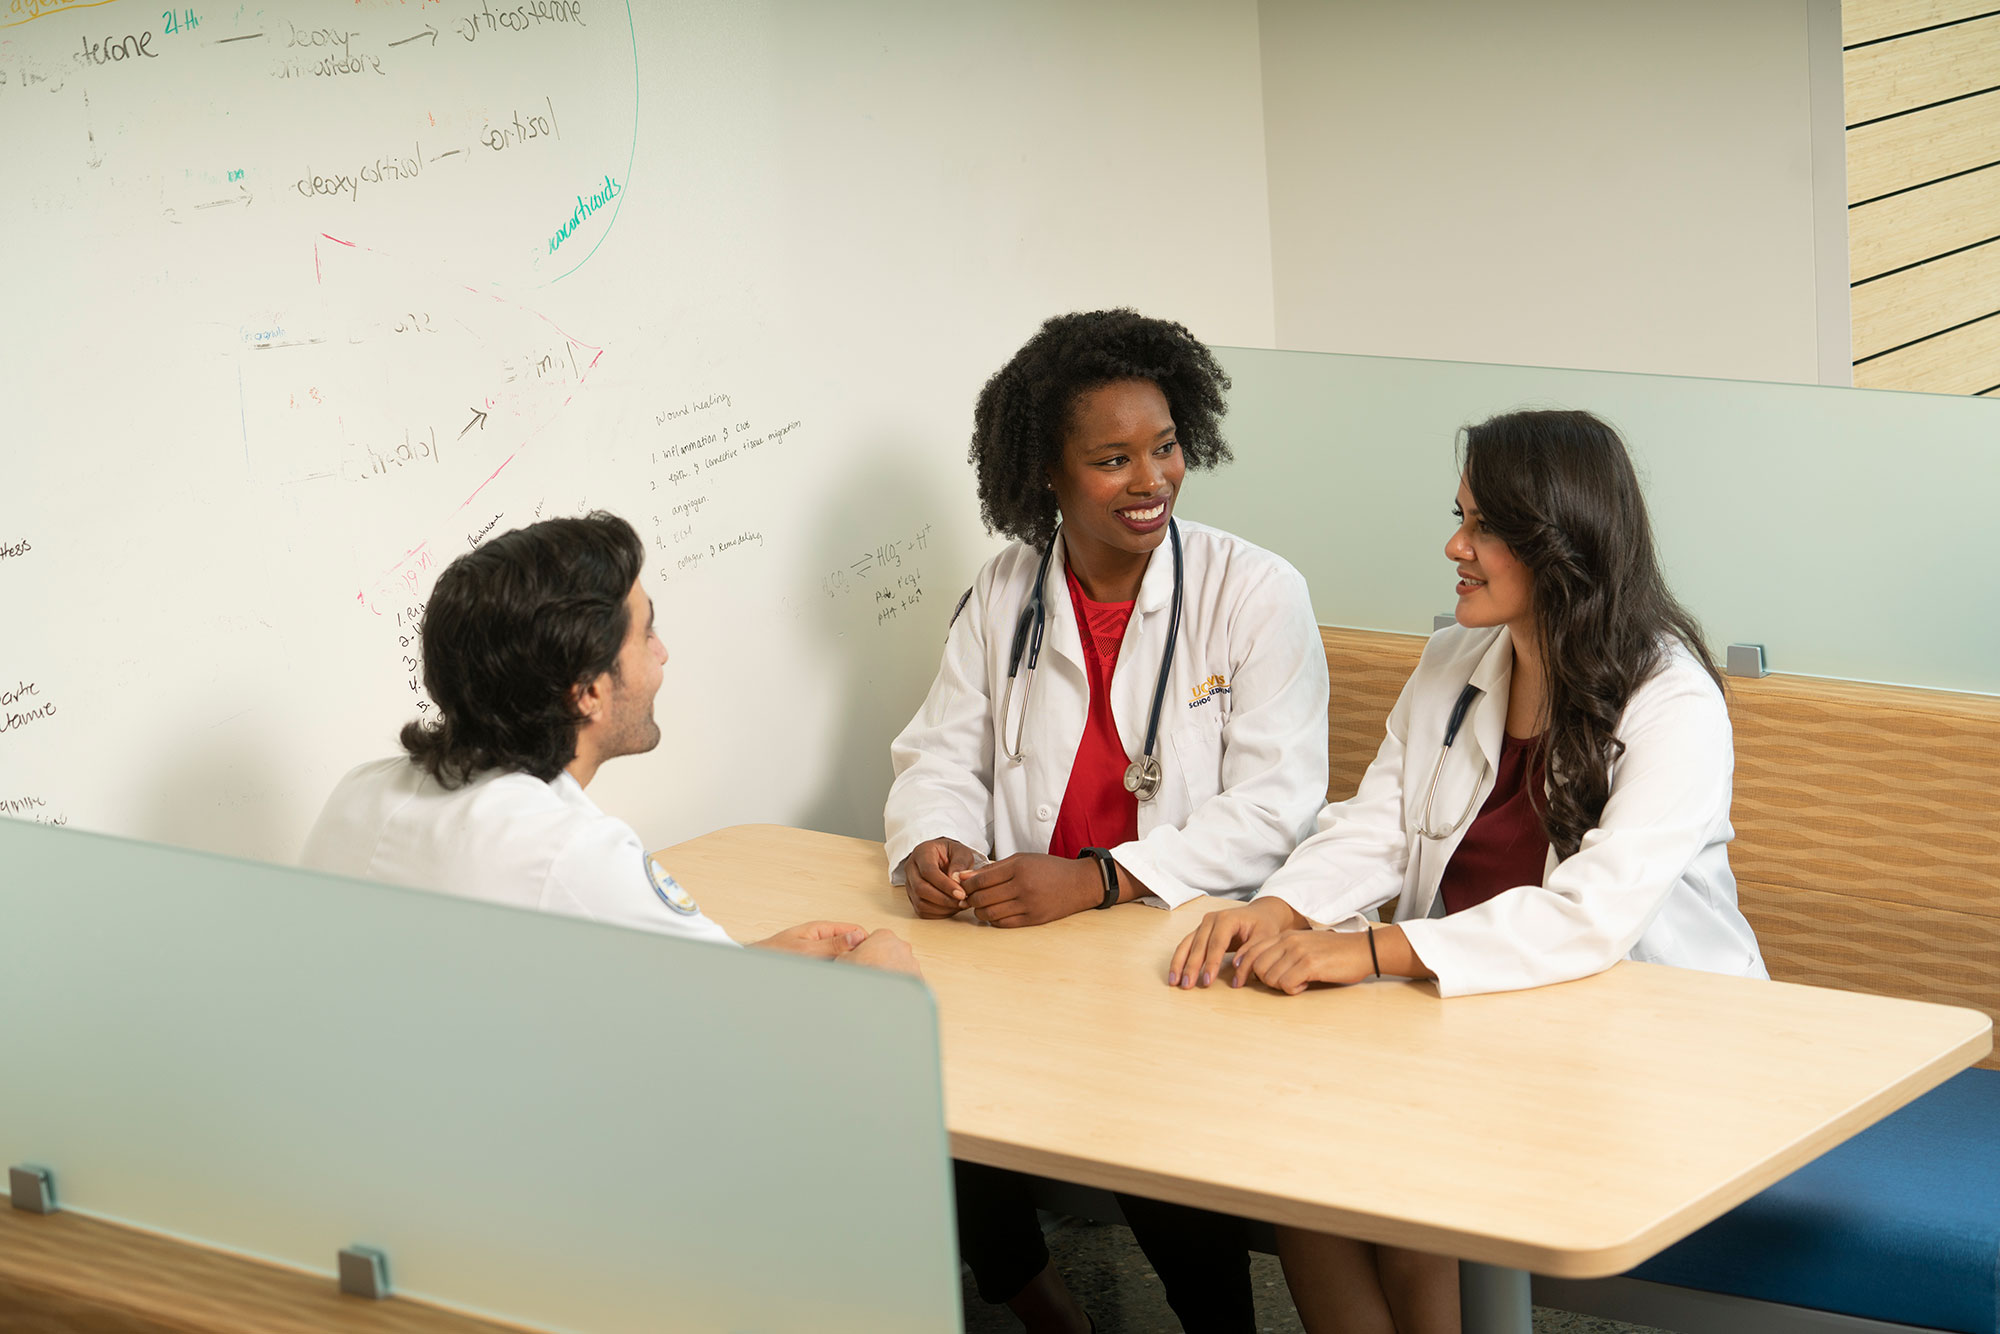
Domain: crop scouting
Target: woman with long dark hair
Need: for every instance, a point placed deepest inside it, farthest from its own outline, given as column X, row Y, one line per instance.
column 1552, row 796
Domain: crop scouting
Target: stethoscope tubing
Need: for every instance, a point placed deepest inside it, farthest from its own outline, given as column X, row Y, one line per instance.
column 1451, row 727
column 1028, row 640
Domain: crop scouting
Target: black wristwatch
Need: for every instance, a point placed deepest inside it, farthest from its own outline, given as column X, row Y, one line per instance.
column 1110, row 869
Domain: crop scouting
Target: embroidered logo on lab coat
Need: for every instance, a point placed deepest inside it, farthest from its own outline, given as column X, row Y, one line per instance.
column 1207, row 690
column 669, row 890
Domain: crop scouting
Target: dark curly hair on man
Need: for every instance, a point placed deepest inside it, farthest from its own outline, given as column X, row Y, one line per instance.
column 1024, row 411
column 511, row 628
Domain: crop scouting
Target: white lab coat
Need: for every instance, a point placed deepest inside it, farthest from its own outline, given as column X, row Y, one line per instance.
column 1242, row 732
column 503, row 837
column 1650, row 882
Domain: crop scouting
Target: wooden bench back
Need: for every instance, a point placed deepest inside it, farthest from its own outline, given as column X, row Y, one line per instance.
column 1867, row 851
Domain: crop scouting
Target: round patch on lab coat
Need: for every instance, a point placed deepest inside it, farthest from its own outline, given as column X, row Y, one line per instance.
column 669, row 890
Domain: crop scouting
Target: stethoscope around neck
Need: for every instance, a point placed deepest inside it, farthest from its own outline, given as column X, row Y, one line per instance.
column 1458, row 712
column 1142, row 776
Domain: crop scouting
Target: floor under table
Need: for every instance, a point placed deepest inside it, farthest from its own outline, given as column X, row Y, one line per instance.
column 1107, row 1272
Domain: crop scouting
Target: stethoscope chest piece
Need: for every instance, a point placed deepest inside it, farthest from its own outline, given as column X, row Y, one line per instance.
column 1142, row 777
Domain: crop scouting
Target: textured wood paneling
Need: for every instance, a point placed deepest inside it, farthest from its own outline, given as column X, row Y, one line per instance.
column 1923, row 146
column 1923, row 224
column 1871, row 20
column 81, row 1276
column 1922, row 68
column 1892, row 949
column 1885, row 793
column 1365, row 670
column 1916, row 303
column 1964, row 361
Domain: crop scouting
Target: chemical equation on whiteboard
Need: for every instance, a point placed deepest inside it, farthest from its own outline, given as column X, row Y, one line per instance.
column 31, row 808
column 23, row 705
column 498, row 133
column 888, row 576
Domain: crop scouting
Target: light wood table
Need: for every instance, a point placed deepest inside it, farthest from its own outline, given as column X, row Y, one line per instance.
column 1572, row 1130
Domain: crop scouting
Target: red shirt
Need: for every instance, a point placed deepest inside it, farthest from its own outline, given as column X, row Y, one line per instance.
column 1506, row 845
column 1097, row 811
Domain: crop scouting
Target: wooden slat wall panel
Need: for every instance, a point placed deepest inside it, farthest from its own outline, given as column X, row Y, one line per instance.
column 1919, row 953
column 1964, row 361
column 1366, row 670
column 1922, row 68
column 1872, row 20
column 1888, row 793
column 1923, row 224
column 1923, row 146
column 1916, row 303
column 1923, row 164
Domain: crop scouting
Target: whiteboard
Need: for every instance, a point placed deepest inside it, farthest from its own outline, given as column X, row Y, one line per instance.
column 308, row 298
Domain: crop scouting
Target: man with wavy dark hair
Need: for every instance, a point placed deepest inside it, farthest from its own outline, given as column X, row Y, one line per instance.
column 541, row 655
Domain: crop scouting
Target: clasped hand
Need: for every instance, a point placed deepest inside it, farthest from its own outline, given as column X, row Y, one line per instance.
column 1271, row 942
column 1026, row 889
column 847, row 943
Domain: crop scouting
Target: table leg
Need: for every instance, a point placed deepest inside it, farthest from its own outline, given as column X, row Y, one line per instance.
column 1493, row 1300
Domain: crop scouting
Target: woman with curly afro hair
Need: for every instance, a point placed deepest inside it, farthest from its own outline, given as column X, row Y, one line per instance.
column 1131, row 709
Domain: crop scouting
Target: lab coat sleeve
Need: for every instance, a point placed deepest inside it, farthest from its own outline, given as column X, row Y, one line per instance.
column 1273, row 757
column 601, row 874
column 1670, row 794
column 1358, row 855
column 943, row 760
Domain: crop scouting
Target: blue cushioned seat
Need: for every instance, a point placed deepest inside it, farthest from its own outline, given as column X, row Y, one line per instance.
column 1900, row 1223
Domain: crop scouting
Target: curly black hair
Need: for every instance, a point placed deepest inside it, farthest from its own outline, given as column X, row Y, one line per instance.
column 511, row 627
column 1024, row 411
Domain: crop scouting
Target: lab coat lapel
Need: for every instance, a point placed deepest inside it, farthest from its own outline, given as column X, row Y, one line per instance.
column 1494, row 675
column 1484, row 726
column 1061, row 637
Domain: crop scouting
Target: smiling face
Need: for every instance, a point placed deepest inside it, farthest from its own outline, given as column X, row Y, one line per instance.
column 626, row 723
column 1494, row 588
column 1120, row 472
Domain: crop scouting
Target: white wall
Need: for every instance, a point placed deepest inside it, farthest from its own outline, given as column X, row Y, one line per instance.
column 1566, row 183
column 843, row 216
column 839, row 217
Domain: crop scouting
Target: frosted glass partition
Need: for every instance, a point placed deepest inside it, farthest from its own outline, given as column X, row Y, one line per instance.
column 567, row 1125
column 1849, row 531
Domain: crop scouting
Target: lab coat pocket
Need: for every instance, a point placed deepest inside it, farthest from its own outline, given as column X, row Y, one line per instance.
column 1198, row 756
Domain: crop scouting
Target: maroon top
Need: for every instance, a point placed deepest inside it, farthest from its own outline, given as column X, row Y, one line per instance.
column 1506, row 845
column 1097, row 811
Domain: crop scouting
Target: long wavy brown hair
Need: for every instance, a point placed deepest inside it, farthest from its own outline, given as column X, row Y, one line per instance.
column 1559, row 489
